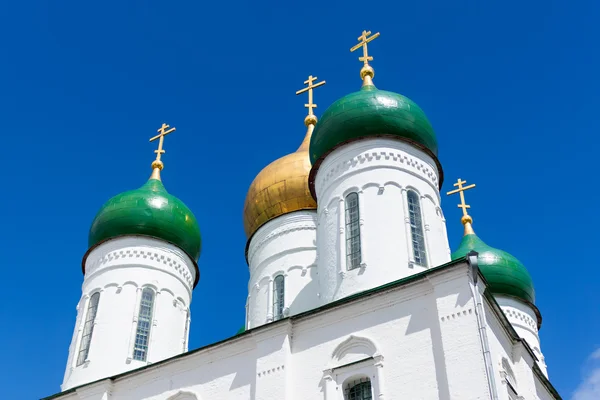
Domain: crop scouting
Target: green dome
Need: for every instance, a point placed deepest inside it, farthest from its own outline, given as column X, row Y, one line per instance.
column 503, row 272
column 148, row 211
column 371, row 112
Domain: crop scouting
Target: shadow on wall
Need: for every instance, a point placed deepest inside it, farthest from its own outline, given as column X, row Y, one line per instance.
column 307, row 297
column 205, row 377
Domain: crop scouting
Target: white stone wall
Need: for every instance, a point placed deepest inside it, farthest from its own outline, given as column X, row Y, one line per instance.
column 120, row 269
column 524, row 320
column 512, row 364
column 381, row 171
column 417, row 341
column 285, row 245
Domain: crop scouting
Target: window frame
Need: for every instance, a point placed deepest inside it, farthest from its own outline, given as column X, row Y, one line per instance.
column 88, row 324
column 140, row 330
column 417, row 230
column 353, row 384
column 353, row 239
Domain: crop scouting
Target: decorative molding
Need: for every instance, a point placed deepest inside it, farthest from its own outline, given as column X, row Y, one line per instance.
column 355, row 345
column 291, row 223
column 517, row 316
column 396, row 157
column 457, row 315
column 123, row 257
column 273, row 370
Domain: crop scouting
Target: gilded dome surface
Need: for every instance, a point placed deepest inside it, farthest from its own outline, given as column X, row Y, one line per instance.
column 503, row 272
column 280, row 188
column 148, row 211
column 371, row 112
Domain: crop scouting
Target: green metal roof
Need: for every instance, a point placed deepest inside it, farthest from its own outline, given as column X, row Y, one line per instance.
column 371, row 112
column 503, row 272
column 148, row 211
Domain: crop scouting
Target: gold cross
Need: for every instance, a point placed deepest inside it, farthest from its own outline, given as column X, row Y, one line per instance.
column 309, row 89
column 364, row 39
column 163, row 131
column 461, row 189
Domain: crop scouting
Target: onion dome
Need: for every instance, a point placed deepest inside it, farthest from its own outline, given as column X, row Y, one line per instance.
column 148, row 211
column 371, row 113
column 280, row 188
column 505, row 275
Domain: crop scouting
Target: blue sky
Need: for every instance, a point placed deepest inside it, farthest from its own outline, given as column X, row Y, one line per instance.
column 510, row 87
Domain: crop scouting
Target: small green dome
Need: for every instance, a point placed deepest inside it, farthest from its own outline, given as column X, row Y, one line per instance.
column 148, row 211
column 371, row 112
column 503, row 272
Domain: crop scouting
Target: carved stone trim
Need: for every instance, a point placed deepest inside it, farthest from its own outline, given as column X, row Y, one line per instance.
column 271, row 371
column 399, row 158
column 258, row 241
column 519, row 317
column 143, row 256
column 456, row 315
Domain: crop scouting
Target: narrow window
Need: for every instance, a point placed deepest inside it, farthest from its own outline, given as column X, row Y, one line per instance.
column 186, row 330
column 278, row 297
column 353, row 256
column 416, row 228
column 359, row 390
column 140, row 350
column 511, row 383
column 88, row 328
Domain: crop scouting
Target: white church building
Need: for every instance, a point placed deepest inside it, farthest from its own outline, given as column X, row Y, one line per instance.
column 354, row 292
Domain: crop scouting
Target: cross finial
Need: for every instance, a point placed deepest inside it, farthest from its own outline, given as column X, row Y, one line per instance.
column 466, row 218
column 157, row 165
column 310, row 119
column 367, row 72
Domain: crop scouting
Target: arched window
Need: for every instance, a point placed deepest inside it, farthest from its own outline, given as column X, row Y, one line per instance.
column 144, row 323
column 359, row 390
column 416, row 228
column 278, row 297
column 353, row 256
column 88, row 328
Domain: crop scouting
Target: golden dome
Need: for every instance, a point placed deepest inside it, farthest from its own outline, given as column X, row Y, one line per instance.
column 280, row 188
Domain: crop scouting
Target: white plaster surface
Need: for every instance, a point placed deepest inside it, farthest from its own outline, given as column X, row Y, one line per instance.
column 381, row 171
column 415, row 341
column 285, row 245
column 523, row 319
column 119, row 269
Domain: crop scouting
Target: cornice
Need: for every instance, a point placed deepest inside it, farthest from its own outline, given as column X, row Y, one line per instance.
column 159, row 258
column 393, row 155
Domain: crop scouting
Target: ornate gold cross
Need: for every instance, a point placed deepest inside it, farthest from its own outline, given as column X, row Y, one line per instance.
column 163, row 131
column 309, row 89
column 461, row 189
column 364, row 39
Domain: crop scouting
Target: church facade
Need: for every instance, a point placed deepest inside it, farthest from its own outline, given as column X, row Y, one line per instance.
column 354, row 292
